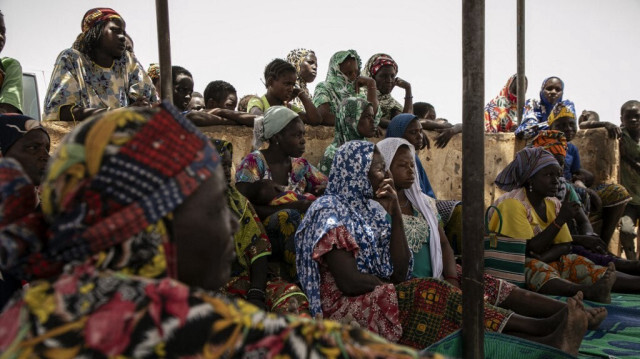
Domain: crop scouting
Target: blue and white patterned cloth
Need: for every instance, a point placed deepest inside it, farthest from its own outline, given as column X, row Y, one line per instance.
column 536, row 112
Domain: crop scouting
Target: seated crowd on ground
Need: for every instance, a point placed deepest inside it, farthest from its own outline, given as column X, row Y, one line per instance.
column 141, row 224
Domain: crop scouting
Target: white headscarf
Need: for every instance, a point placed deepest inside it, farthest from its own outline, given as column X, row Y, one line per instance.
column 388, row 148
column 274, row 120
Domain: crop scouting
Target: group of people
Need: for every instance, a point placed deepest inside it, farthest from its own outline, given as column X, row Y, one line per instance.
column 136, row 238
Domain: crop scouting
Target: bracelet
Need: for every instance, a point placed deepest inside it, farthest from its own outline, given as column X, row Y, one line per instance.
column 452, row 277
column 259, row 292
column 556, row 224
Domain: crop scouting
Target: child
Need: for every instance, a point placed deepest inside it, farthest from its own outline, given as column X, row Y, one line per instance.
column 220, row 100
column 630, row 174
column 244, row 102
column 427, row 115
column 591, row 119
column 182, row 82
column 280, row 79
column 196, row 103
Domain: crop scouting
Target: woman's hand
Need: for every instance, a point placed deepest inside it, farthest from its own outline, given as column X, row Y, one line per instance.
column 442, row 140
column 365, row 81
column 592, row 243
column 568, row 211
column 387, row 196
column 301, row 205
column 402, row 84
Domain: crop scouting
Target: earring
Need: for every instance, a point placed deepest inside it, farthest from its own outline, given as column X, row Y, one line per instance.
column 530, row 187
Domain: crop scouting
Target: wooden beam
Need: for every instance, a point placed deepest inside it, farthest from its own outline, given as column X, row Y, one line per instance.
column 473, row 177
column 164, row 49
column 522, row 90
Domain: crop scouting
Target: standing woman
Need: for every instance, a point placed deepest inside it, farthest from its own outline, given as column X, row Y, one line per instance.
column 306, row 65
column 383, row 69
column 97, row 74
column 343, row 80
column 536, row 112
column 282, row 164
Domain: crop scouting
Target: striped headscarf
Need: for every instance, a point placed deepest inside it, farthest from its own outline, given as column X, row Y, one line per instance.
column 97, row 15
column 111, row 184
column 526, row 164
column 552, row 141
column 376, row 62
column 562, row 109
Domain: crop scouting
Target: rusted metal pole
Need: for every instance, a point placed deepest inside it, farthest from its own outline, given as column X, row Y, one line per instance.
column 164, row 49
column 473, row 177
column 521, row 77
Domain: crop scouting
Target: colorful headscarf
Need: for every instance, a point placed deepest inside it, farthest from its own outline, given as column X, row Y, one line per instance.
column 22, row 228
column 110, row 185
column 376, row 62
column 562, row 109
column 527, row 163
column 552, row 141
column 337, row 87
column 154, row 71
column 346, row 128
column 295, row 58
column 347, row 202
column 397, row 127
column 386, row 102
column 501, row 113
column 388, row 148
column 546, row 106
column 13, row 127
column 251, row 241
column 274, row 120
column 95, row 16
column 536, row 112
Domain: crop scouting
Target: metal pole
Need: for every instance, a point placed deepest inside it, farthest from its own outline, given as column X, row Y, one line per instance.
column 164, row 49
column 473, row 177
column 521, row 77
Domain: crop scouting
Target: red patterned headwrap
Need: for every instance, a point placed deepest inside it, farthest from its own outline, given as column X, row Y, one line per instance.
column 92, row 17
column 380, row 61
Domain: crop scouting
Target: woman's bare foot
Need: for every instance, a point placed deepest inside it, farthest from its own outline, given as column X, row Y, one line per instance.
column 600, row 291
column 595, row 316
column 569, row 334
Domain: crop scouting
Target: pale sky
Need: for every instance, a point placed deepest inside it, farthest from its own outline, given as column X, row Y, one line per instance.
column 591, row 44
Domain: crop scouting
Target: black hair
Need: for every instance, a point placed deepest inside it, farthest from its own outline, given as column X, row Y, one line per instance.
column 628, row 105
column 277, row 68
column 244, row 102
column 421, row 109
column 178, row 70
column 196, row 94
column 218, row 91
column 88, row 42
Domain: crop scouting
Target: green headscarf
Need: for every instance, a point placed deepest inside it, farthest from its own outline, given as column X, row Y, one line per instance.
column 337, row 87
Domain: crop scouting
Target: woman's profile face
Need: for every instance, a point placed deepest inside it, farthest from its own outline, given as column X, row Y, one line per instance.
column 545, row 182
column 376, row 172
column 349, row 68
column 403, row 168
column 291, row 138
column 366, row 124
column 309, row 68
column 413, row 133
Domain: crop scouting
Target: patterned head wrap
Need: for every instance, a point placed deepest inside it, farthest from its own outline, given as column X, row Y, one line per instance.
column 543, row 100
column 13, row 127
column 376, row 62
column 154, row 71
column 388, row 147
column 562, row 109
column 95, row 16
column 552, row 141
column 527, row 163
column 346, row 202
column 501, row 113
column 336, row 87
column 274, row 120
column 295, row 58
column 21, row 227
column 110, row 185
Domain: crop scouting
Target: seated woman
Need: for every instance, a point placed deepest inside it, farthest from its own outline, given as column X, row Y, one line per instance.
column 355, row 121
column 383, row 69
column 408, row 126
column 586, row 242
column 250, row 277
column 343, row 81
column 354, row 261
column 536, row 112
column 530, row 210
column 611, row 198
column 280, row 80
column 97, row 74
column 306, row 65
column 501, row 113
column 126, row 240
column 281, row 163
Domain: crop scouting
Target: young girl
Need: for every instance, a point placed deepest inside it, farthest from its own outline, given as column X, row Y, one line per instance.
column 280, row 77
column 343, row 81
column 306, row 65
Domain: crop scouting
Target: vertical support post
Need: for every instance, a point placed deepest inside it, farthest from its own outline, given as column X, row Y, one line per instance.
column 473, row 177
column 521, row 76
column 164, row 49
